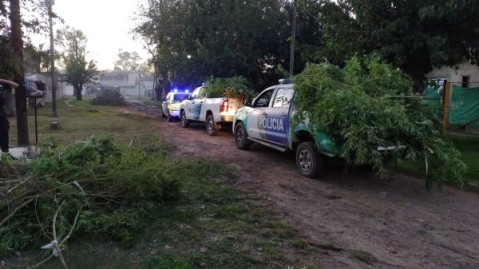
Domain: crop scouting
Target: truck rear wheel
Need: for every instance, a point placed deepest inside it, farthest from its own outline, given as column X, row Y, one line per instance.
column 241, row 137
column 184, row 122
column 309, row 161
column 211, row 125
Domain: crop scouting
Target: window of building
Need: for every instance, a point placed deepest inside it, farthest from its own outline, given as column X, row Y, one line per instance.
column 465, row 81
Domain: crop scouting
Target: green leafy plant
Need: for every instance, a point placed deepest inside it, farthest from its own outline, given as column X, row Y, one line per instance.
column 94, row 187
column 368, row 104
column 234, row 87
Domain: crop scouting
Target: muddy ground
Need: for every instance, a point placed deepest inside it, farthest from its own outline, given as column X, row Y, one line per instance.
column 354, row 220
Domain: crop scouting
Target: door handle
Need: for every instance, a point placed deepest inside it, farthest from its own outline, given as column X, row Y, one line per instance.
column 284, row 115
column 264, row 113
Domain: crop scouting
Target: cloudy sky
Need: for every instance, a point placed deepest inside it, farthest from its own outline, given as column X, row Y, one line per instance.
column 106, row 23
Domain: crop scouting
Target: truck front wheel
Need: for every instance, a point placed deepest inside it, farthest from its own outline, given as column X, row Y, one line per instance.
column 211, row 126
column 309, row 161
column 241, row 138
column 184, row 122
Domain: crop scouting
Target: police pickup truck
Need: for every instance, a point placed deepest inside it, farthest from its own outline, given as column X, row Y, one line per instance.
column 267, row 120
column 215, row 112
column 170, row 108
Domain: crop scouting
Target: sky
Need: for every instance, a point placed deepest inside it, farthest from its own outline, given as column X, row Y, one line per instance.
column 106, row 24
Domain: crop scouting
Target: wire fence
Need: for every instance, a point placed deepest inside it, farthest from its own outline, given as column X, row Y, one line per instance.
column 457, row 107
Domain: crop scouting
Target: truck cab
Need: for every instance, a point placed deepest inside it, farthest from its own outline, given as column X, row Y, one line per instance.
column 268, row 121
column 268, row 118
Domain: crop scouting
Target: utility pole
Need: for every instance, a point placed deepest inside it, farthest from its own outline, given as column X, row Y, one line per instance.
column 52, row 58
column 16, row 42
column 139, row 82
column 293, row 40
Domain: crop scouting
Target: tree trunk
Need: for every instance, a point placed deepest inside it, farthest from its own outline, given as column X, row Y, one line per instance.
column 16, row 43
column 52, row 61
column 78, row 90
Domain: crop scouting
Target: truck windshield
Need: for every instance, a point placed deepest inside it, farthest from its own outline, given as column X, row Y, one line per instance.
column 180, row 97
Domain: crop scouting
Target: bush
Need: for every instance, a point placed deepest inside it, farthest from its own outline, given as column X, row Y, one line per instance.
column 368, row 104
column 109, row 96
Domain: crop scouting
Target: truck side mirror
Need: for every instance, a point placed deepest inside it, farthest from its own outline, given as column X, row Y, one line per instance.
column 247, row 102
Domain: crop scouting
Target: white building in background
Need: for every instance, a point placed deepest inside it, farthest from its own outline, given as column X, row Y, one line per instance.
column 465, row 75
column 129, row 83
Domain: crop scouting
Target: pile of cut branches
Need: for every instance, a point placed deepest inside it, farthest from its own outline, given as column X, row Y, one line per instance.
column 109, row 96
column 93, row 188
column 234, row 87
column 369, row 104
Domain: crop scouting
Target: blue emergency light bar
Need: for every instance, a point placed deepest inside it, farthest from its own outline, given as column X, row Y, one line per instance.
column 176, row 90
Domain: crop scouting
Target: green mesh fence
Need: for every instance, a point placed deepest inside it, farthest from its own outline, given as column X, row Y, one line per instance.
column 432, row 98
column 464, row 106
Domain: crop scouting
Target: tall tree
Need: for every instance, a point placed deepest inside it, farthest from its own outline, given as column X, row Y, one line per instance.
column 16, row 42
column 78, row 70
column 415, row 36
column 127, row 61
column 36, row 59
column 197, row 39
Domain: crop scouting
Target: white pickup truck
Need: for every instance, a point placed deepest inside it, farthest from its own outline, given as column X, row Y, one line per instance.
column 215, row 112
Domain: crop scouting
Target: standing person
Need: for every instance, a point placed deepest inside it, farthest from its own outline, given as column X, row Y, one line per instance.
column 4, row 124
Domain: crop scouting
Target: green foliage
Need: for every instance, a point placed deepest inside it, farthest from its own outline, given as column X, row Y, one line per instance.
column 368, row 104
column 114, row 189
column 218, row 38
column 234, row 87
column 10, row 65
column 37, row 60
column 109, row 97
column 412, row 35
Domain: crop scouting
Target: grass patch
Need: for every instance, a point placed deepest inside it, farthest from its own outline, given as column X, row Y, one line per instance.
column 82, row 120
column 149, row 101
column 86, row 102
column 469, row 148
column 211, row 225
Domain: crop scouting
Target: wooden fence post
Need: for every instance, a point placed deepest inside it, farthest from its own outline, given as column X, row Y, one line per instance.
column 446, row 98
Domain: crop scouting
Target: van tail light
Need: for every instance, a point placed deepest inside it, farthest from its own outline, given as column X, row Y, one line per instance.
column 224, row 105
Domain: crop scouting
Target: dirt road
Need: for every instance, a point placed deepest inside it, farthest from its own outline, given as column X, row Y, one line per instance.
column 354, row 220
